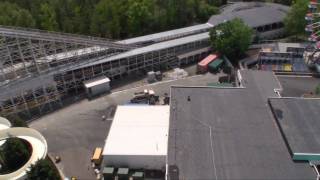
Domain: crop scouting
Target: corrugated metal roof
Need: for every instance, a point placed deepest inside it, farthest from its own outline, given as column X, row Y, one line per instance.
column 165, row 34
column 207, row 60
column 153, row 47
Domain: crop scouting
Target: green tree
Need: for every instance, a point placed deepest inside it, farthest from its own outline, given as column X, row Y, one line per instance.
column 206, row 11
column 15, row 153
column 295, row 22
column 140, row 14
column 13, row 15
column 107, row 18
column 231, row 38
column 43, row 169
column 48, row 17
column 16, row 121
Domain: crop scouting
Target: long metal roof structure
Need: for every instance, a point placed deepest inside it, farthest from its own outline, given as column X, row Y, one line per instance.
column 27, row 33
column 167, row 35
column 153, row 47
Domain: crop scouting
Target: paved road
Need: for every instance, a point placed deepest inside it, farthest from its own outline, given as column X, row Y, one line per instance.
column 74, row 132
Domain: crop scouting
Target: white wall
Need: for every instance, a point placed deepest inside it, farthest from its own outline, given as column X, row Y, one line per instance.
column 135, row 161
column 98, row 89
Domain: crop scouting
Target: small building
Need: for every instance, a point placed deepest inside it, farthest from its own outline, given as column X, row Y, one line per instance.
column 97, row 86
column 283, row 57
column 215, row 65
column 138, row 138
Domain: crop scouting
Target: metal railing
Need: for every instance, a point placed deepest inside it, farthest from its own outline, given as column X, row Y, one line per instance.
column 28, row 33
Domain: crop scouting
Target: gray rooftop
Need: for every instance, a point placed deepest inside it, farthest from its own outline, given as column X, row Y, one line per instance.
column 299, row 120
column 253, row 14
column 229, row 133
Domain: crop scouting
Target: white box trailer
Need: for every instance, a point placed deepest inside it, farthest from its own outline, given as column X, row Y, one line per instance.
column 138, row 138
column 97, row 86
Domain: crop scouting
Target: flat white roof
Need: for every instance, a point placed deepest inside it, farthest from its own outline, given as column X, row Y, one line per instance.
column 96, row 81
column 138, row 130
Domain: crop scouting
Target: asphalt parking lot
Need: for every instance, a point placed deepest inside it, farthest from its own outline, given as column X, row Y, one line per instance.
column 73, row 132
column 294, row 86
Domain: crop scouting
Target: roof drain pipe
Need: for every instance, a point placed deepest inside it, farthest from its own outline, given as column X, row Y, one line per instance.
column 316, row 165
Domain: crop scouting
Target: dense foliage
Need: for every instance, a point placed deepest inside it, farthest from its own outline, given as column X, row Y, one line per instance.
column 43, row 169
column 17, row 121
column 107, row 18
column 295, row 22
column 15, row 154
column 231, row 38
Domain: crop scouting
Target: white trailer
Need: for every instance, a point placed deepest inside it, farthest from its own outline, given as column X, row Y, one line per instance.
column 97, row 86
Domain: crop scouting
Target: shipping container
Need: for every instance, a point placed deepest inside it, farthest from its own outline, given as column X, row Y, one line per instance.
column 203, row 65
column 97, row 86
column 215, row 65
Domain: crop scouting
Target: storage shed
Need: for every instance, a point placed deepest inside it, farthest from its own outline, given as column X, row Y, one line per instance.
column 215, row 65
column 203, row 65
column 138, row 138
column 97, row 86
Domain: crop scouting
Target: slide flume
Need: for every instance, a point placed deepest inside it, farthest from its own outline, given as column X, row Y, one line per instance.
column 36, row 140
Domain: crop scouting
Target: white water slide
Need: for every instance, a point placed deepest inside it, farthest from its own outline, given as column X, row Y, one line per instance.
column 36, row 140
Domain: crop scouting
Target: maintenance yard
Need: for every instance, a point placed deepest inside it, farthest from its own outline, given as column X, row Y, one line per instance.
column 75, row 131
column 296, row 86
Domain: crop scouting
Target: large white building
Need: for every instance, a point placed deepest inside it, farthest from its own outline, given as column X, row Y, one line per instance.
column 138, row 138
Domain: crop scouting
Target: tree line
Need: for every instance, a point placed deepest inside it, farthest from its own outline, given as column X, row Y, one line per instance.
column 107, row 18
